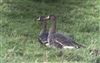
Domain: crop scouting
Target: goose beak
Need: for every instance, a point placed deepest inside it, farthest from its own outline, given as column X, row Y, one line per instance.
column 48, row 17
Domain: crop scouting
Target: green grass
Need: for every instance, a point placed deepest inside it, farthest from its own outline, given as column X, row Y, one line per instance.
column 19, row 30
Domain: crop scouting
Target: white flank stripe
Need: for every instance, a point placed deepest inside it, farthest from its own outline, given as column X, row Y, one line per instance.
column 65, row 47
column 47, row 44
column 68, row 47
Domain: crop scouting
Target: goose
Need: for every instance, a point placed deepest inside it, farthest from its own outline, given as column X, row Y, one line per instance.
column 57, row 40
column 42, row 38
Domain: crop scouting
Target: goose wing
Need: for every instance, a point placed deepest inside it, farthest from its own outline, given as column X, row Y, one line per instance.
column 65, row 41
column 43, row 38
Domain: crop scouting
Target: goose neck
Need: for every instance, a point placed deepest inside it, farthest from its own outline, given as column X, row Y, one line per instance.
column 53, row 27
column 44, row 28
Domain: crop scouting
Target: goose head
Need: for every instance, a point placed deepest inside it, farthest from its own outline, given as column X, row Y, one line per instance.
column 41, row 18
column 43, row 22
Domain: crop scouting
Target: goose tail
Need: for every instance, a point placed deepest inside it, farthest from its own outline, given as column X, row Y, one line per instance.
column 79, row 45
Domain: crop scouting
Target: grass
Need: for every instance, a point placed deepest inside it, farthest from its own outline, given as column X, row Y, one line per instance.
column 19, row 30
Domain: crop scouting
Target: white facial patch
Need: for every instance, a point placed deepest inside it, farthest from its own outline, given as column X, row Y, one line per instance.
column 38, row 18
column 47, row 17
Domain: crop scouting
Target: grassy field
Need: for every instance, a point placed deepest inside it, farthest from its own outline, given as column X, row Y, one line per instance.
column 19, row 30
